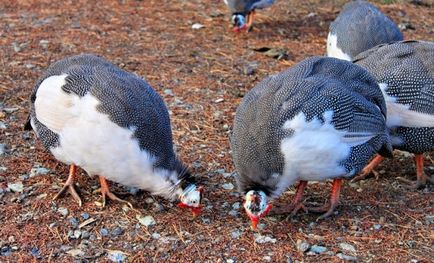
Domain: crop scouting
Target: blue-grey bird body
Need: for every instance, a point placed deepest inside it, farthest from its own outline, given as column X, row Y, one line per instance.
column 359, row 27
column 406, row 73
column 321, row 119
column 90, row 113
column 243, row 11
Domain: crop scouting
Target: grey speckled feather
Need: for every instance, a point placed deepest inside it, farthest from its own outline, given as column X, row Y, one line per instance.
column 361, row 26
column 312, row 87
column 407, row 68
column 127, row 99
column 246, row 6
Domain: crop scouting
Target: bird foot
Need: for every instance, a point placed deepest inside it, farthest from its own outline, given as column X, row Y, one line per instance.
column 291, row 210
column 70, row 187
column 327, row 208
column 107, row 193
column 420, row 183
column 364, row 175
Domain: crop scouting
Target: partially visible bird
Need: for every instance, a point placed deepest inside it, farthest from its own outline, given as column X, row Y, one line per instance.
column 89, row 113
column 322, row 119
column 243, row 12
column 406, row 70
column 359, row 27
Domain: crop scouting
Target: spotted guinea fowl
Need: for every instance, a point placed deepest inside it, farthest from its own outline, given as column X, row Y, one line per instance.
column 407, row 70
column 89, row 113
column 243, row 12
column 359, row 27
column 321, row 119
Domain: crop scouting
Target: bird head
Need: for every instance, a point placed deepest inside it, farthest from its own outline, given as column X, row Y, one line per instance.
column 239, row 22
column 256, row 206
column 191, row 198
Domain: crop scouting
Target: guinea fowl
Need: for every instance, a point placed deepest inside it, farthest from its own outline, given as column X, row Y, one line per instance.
column 407, row 70
column 89, row 113
column 243, row 12
column 359, row 27
column 322, row 119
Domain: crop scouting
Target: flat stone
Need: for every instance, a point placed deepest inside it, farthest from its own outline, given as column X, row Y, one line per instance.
column 236, row 234
column 2, row 149
column 346, row 257
column 117, row 256
column 318, row 249
column 264, row 239
column 16, row 187
column 302, row 245
column 63, row 211
column 146, row 220
column 347, row 247
column 104, row 232
column 236, row 205
column 228, row 186
column 38, row 171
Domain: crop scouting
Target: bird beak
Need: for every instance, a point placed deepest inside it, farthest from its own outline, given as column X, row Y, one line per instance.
column 254, row 220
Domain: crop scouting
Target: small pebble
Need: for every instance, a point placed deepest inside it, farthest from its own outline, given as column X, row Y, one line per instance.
column 149, row 200
column 347, row 247
column 2, row 149
column 236, row 205
column 38, row 171
column 85, row 235
column 117, row 231
column 197, row 26
column 85, row 216
column 302, row 245
column 346, row 257
column 377, row 226
column 104, row 232
column 264, row 239
column 77, row 234
column 228, row 186
column 16, row 187
column 267, row 258
column 63, row 211
column 236, row 234
column 156, row 236
column 117, row 256
column 73, row 221
column 318, row 249
column 146, row 220
column 11, row 239
column 35, row 252
column 233, row 213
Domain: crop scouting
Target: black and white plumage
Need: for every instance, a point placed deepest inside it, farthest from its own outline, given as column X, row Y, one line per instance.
column 243, row 11
column 322, row 119
column 406, row 71
column 90, row 113
column 359, row 27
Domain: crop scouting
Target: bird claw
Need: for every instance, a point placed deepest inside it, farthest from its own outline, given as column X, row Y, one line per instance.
column 111, row 196
column 327, row 208
column 416, row 184
column 71, row 189
column 364, row 175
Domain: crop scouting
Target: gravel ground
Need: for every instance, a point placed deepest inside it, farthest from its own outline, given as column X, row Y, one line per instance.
column 202, row 73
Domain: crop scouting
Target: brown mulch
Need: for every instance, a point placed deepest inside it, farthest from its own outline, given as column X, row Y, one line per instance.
column 208, row 70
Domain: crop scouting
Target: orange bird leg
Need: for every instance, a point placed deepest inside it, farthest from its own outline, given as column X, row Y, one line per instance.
column 334, row 200
column 105, row 191
column 421, row 176
column 296, row 203
column 369, row 169
column 69, row 186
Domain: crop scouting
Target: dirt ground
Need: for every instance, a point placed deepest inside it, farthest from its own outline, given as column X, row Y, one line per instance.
column 202, row 75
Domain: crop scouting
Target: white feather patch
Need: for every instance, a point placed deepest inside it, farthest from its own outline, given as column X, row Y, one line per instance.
column 53, row 106
column 333, row 50
column 401, row 115
column 315, row 150
column 101, row 147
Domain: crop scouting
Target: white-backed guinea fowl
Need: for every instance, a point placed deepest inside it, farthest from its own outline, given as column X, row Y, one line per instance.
column 322, row 119
column 359, row 27
column 243, row 12
column 407, row 70
column 89, row 113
